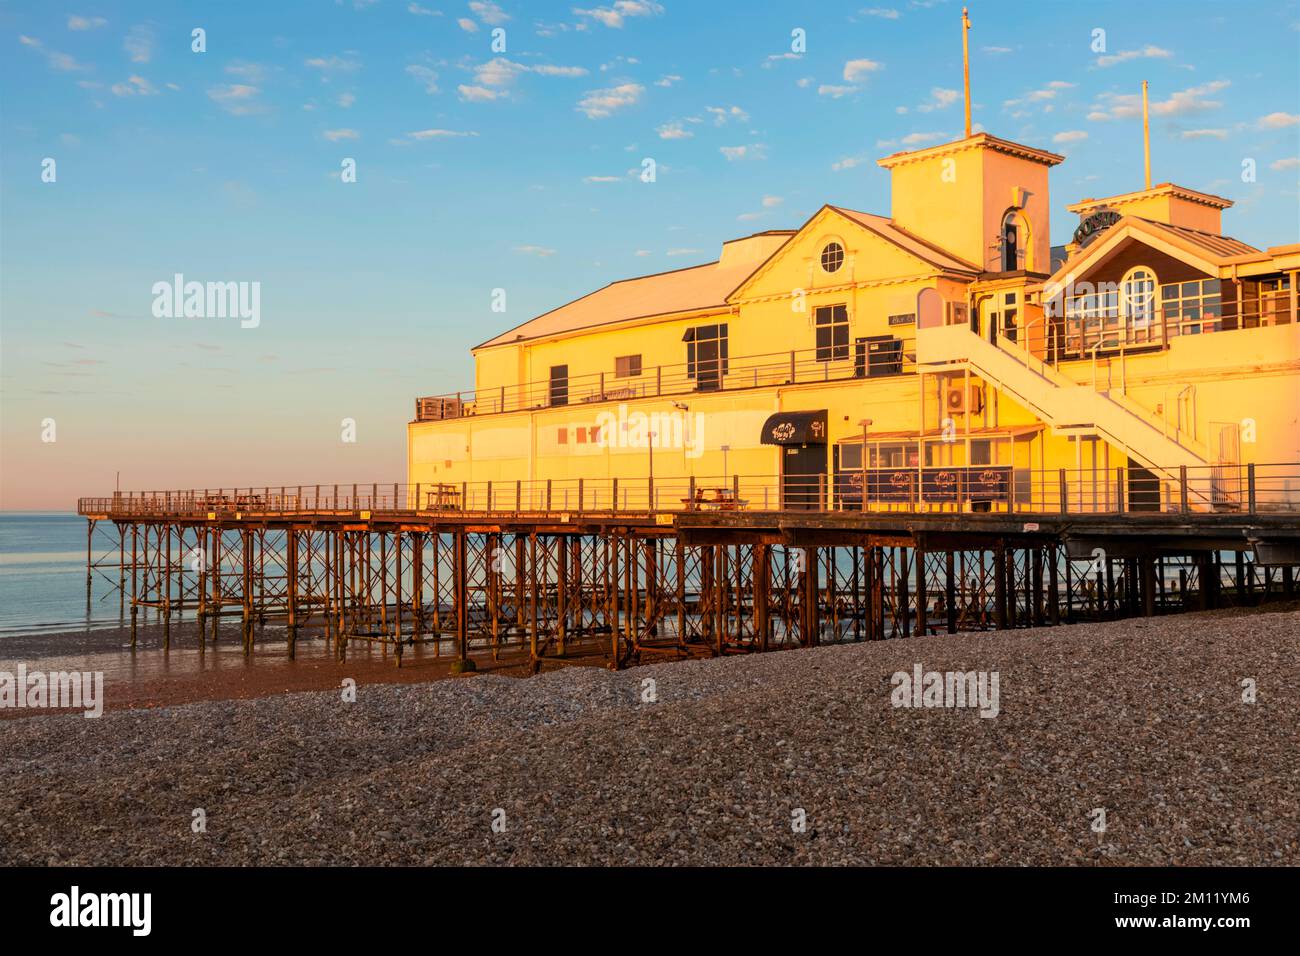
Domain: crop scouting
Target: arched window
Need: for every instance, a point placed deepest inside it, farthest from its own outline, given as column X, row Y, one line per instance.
column 1138, row 295
column 1010, row 241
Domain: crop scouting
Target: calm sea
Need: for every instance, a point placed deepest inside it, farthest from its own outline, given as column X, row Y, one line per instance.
column 43, row 575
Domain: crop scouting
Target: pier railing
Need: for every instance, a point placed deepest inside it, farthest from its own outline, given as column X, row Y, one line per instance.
column 881, row 356
column 1249, row 488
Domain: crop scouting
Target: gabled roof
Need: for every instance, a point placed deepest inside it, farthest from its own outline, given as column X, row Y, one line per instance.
column 692, row 289
column 886, row 229
column 1207, row 251
column 1213, row 243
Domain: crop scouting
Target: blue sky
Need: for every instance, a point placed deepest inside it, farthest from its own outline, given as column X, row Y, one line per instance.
column 517, row 169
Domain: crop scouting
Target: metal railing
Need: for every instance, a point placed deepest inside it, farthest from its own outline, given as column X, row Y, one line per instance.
column 868, row 359
column 1248, row 488
column 1074, row 339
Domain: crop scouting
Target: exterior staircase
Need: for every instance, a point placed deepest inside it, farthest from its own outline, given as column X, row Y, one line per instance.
column 1067, row 406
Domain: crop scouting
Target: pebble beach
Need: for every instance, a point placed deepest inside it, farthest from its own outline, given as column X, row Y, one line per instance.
column 794, row 757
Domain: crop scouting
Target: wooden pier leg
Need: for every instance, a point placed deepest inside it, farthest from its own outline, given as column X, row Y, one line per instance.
column 651, row 550
column 562, row 546
column 462, row 664
column 922, row 594
column 291, row 595
column 902, row 596
column 493, row 558
column 1148, row 586
column 611, row 597
column 521, row 583
column 417, row 582
column 681, row 593
column 762, row 581
column 246, row 621
column 1036, row 585
column 165, row 554
column 1000, row 585
column 534, row 585
column 950, row 591
column 874, row 595
column 1053, row 586
column 135, row 610
column 90, row 561
column 812, row 621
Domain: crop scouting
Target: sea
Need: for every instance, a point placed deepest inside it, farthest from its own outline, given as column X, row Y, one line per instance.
column 43, row 575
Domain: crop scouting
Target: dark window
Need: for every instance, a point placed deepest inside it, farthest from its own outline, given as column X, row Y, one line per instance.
column 559, row 391
column 1010, row 253
column 627, row 366
column 832, row 257
column 832, row 333
column 706, row 355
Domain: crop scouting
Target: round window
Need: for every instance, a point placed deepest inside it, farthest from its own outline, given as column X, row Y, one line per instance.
column 832, row 257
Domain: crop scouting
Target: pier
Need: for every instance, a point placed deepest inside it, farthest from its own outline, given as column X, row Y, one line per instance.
column 598, row 572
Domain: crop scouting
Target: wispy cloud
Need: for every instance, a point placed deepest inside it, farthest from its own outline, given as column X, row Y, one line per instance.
column 615, row 16
column 139, row 43
column 489, row 12
column 1195, row 99
column 723, row 114
column 1123, row 56
column 751, row 151
column 85, row 23
column 238, row 99
column 134, row 86
column 541, row 251
column 601, row 104
column 855, row 70
column 334, row 64
column 62, row 62
column 427, row 76
column 674, row 130
column 1279, row 120
column 1070, row 136
column 337, row 135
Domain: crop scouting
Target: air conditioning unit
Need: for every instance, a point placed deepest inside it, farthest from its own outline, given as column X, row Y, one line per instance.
column 438, row 408
column 955, row 400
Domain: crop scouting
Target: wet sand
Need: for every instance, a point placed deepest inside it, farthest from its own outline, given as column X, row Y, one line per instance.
column 149, row 676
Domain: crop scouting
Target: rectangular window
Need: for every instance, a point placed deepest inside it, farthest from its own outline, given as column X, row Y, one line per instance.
column 627, row 366
column 981, row 452
column 832, row 332
column 1191, row 307
column 559, row 385
column 706, row 355
column 850, row 456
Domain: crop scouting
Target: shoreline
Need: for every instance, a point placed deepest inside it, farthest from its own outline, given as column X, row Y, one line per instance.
column 151, row 677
